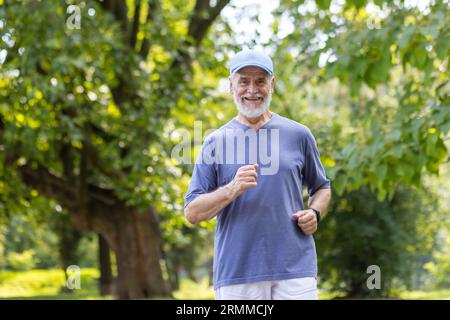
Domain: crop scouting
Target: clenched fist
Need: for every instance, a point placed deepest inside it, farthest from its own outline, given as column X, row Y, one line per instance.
column 306, row 220
column 245, row 178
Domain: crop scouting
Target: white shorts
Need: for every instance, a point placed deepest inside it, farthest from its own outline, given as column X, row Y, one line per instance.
column 291, row 289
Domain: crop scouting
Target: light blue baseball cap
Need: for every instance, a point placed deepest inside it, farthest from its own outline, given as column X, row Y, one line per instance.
column 247, row 58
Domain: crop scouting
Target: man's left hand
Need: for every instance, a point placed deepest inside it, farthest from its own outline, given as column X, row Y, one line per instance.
column 306, row 220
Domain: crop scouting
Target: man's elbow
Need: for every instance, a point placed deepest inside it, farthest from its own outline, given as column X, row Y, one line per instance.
column 191, row 217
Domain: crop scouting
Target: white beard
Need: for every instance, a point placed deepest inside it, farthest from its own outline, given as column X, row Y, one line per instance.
column 252, row 112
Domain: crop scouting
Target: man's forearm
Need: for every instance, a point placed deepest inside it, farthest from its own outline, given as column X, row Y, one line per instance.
column 320, row 200
column 208, row 205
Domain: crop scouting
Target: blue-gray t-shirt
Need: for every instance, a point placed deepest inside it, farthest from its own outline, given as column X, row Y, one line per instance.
column 256, row 237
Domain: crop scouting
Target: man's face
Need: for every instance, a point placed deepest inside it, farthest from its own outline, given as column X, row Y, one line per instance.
column 252, row 91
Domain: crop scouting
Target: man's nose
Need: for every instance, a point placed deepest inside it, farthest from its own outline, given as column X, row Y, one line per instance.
column 252, row 88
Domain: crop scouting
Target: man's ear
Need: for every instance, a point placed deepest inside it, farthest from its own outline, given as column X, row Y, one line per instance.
column 272, row 83
column 230, row 84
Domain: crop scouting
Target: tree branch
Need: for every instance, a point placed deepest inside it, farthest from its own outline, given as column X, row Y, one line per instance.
column 48, row 184
column 99, row 201
column 67, row 158
column 108, row 5
column 89, row 148
column 52, row 186
column 83, row 196
column 203, row 17
column 135, row 26
column 120, row 12
column 118, row 8
column 152, row 8
column 2, row 124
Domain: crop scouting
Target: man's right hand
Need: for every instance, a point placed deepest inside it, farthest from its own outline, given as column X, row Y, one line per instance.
column 244, row 179
column 208, row 205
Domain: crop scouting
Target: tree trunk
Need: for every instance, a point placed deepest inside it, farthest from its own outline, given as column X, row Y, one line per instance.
column 106, row 276
column 133, row 235
column 68, row 240
column 135, row 238
column 173, row 273
column 138, row 257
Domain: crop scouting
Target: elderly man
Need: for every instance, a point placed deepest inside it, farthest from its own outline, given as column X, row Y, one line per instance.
column 264, row 248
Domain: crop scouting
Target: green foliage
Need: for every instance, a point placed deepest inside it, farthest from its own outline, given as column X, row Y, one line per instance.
column 87, row 251
column 22, row 261
column 439, row 268
column 25, row 233
column 373, row 87
column 392, row 62
column 2, row 248
column 323, row 4
column 64, row 91
column 380, row 118
column 396, row 235
column 43, row 236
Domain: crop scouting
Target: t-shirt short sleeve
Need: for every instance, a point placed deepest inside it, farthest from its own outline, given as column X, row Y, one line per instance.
column 204, row 176
column 313, row 173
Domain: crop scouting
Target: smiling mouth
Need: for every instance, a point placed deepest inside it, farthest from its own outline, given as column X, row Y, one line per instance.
column 252, row 99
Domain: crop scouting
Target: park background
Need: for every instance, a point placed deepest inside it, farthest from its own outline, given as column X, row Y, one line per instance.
column 95, row 95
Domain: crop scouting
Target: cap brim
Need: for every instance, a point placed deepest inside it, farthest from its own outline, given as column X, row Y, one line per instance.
column 236, row 69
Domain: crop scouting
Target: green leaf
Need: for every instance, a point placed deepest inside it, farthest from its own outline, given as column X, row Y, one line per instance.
column 355, row 85
column 339, row 184
column 442, row 45
column 395, row 152
column 378, row 72
column 431, row 143
column 430, row 30
column 323, row 4
column 440, row 151
column 381, row 171
column 359, row 3
column 419, row 57
column 405, row 37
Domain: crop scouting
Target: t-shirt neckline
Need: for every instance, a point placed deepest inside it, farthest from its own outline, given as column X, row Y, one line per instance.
column 236, row 121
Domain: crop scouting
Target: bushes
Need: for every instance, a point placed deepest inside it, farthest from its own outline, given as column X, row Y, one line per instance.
column 439, row 268
column 26, row 243
column 21, row 261
column 2, row 248
column 398, row 235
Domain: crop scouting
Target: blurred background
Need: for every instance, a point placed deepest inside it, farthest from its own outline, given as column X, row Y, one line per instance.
column 95, row 96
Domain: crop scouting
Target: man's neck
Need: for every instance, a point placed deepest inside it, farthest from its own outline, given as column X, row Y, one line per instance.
column 257, row 122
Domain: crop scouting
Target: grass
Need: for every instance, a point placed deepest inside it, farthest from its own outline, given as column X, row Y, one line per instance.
column 49, row 285
column 443, row 294
column 190, row 290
